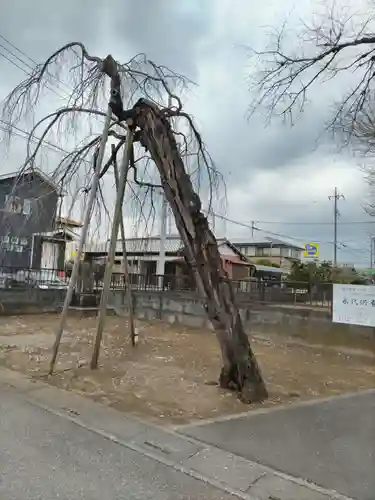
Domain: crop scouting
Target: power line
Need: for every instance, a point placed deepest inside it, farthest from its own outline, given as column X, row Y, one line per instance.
column 252, row 227
column 313, row 223
column 48, row 143
column 29, row 58
column 344, row 244
column 17, row 49
column 15, row 55
column 29, row 74
column 12, row 62
column 34, row 137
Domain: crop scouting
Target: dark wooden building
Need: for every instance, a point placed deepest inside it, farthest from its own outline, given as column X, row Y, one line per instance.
column 28, row 209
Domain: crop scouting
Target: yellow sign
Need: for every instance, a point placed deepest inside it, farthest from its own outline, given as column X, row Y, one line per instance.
column 311, row 250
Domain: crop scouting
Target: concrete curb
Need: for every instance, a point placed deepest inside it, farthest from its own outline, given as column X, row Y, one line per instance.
column 235, row 475
column 272, row 409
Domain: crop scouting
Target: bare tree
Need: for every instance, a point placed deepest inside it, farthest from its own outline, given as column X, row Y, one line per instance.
column 143, row 86
column 336, row 46
column 335, row 50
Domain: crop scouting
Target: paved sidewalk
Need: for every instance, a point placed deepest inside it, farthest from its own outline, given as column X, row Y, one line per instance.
column 44, row 456
column 210, row 465
column 331, row 443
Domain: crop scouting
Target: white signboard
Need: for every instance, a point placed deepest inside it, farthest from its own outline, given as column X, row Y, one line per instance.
column 354, row 304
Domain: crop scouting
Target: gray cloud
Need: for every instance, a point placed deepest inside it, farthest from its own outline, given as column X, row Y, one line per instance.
column 39, row 27
column 169, row 32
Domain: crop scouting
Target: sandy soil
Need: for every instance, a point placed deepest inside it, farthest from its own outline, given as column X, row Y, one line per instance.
column 170, row 376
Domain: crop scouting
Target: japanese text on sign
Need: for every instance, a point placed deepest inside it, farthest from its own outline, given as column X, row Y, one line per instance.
column 354, row 304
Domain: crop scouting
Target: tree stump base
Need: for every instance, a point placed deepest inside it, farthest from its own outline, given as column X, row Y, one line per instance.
column 249, row 391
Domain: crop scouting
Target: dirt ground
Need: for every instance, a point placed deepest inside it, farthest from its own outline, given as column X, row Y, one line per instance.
column 169, row 377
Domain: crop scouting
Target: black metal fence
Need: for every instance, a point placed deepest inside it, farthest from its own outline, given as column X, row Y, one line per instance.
column 278, row 292
column 16, row 278
column 285, row 292
column 143, row 282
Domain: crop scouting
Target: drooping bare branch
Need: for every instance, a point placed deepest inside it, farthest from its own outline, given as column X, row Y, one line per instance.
column 85, row 75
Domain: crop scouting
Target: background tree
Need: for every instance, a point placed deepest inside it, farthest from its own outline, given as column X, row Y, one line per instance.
column 169, row 153
column 315, row 273
column 311, row 272
column 336, row 47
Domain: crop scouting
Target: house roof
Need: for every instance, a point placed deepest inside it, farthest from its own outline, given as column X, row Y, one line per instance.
column 42, row 175
column 237, row 260
column 241, row 256
column 173, row 244
column 228, row 258
column 59, row 233
column 268, row 241
column 152, row 245
column 65, row 221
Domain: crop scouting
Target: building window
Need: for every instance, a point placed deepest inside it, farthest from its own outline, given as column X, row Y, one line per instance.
column 262, row 252
column 26, row 207
column 13, row 204
column 296, row 254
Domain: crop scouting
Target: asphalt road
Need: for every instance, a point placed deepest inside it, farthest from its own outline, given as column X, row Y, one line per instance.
column 330, row 443
column 44, row 456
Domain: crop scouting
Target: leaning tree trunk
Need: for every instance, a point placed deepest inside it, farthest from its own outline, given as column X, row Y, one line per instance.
column 240, row 371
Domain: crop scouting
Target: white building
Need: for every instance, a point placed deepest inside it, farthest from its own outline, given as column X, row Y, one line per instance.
column 275, row 250
column 144, row 254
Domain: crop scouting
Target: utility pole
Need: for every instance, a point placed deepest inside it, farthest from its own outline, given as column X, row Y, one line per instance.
column 371, row 252
column 336, row 214
column 170, row 222
column 213, row 221
column 160, row 266
column 252, row 228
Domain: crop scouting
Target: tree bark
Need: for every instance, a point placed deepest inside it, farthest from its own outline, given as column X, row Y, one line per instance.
column 240, row 370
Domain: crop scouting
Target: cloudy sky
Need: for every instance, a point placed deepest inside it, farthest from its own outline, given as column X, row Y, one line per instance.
column 277, row 176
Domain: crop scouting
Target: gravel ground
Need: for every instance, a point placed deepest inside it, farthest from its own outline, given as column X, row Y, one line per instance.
column 169, row 377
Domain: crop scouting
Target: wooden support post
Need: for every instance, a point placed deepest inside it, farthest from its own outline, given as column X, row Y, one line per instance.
column 77, row 259
column 112, row 247
column 128, row 290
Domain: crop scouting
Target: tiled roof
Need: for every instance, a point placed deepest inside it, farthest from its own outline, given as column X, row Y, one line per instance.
column 265, row 240
column 144, row 245
column 139, row 245
column 68, row 222
column 152, row 245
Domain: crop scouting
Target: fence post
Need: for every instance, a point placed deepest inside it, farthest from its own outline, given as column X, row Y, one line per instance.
column 160, row 305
